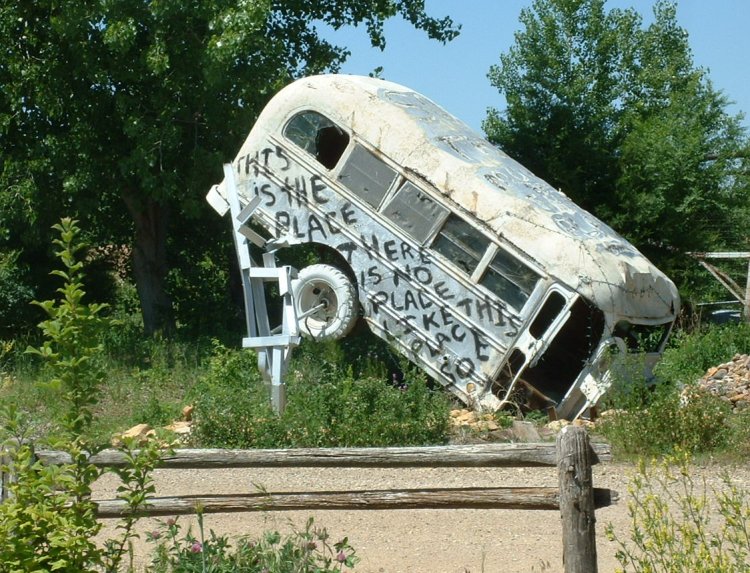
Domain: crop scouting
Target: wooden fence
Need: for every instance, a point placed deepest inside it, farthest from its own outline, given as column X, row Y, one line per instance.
column 573, row 454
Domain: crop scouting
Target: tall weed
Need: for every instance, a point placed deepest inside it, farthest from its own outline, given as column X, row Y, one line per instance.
column 672, row 526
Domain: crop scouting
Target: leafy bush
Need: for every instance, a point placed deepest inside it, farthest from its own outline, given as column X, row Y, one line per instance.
column 326, row 405
column 671, row 523
column 306, row 551
column 232, row 407
column 655, row 420
column 690, row 354
column 49, row 521
column 671, row 412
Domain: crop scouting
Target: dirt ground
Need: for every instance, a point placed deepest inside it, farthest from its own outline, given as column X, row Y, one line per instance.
column 418, row 541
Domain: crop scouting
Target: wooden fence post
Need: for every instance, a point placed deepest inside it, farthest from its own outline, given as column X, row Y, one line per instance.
column 576, row 500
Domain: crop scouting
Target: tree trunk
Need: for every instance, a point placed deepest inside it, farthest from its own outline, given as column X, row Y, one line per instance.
column 150, row 266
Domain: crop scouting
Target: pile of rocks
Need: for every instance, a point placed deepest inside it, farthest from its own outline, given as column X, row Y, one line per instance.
column 730, row 381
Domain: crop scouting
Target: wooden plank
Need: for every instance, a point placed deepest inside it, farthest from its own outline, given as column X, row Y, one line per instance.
column 577, row 502
column 722, row 255
column 472, row 455
column 537, row 498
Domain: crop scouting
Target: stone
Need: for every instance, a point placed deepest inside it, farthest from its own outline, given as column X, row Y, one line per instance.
column 525, row 432
column 187, row 413
column 140, row 433
column 487, row 425
column 728, row 382
column 181, row 428
column 557, row 425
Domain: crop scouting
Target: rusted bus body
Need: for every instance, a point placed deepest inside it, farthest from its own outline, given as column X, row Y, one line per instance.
column 482, row 274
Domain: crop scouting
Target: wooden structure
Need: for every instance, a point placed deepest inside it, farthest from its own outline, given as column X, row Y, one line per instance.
column 742, row 296
column 573, row 455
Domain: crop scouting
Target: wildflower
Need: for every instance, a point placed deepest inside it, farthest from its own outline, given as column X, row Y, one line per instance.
column 311, row 545
column 341, row 557
column 155, row 534
column 196, row 547
column 171, row 522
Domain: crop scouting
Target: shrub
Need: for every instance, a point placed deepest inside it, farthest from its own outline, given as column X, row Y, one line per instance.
column 326, row 405
column 671, row 412
column 655, row 420
column 672, row 529
column 690, row 354
column 232, row 406
column 49, row 522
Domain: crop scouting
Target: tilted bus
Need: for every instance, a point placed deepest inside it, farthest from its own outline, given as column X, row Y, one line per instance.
column 494, row 283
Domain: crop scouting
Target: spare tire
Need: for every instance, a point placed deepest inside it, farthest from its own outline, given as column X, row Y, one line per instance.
column 331, row 290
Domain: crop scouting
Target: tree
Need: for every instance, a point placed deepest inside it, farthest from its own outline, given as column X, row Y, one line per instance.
column 123, row 111
column 617, row 116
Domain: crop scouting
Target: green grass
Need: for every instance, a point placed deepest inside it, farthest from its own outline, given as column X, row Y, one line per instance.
column 329, row 403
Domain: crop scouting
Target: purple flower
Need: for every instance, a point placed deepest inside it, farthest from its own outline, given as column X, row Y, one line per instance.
column 155, row 534
column 196, row 547
column 171, row 521
column 341, row 557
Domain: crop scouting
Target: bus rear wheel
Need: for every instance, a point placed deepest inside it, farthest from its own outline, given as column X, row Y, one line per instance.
column 325, row 301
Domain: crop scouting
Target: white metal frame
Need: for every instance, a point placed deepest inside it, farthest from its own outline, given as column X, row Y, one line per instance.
column 273, row 346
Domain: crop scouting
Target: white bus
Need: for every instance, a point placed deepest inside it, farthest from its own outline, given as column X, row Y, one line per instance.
column 494, row 283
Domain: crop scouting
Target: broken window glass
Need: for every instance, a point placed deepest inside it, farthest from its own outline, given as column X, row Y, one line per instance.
column 510, row 279
column 414, row 211
column 461, row 244
column 319, row 136
column 367, row 176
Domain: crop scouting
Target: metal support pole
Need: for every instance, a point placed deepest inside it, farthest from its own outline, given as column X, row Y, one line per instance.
column 273, row 346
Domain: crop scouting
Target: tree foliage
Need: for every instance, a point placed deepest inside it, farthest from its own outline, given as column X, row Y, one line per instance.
column 615, row 113
column 122, row 111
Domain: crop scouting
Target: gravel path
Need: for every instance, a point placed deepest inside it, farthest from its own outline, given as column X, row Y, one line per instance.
column 419, row 541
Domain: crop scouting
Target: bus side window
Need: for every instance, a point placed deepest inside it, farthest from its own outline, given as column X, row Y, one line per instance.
column 366, row 176
column 461, row 244
column 510, row 279
column 414, row 211
column 319, row 136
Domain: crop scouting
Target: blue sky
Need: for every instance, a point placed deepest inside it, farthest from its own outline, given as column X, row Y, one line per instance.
column 455, row 75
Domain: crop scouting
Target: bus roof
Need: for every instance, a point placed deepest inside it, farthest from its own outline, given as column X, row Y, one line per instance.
column 481, row 181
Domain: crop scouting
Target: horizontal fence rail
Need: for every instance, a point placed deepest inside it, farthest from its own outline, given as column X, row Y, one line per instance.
column 476, row 455
column 539, row 498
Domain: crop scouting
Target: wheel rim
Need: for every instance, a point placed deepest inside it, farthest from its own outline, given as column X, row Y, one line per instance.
column 315, row 294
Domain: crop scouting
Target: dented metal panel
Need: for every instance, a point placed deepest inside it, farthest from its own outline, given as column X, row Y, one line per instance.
column 493, row 282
